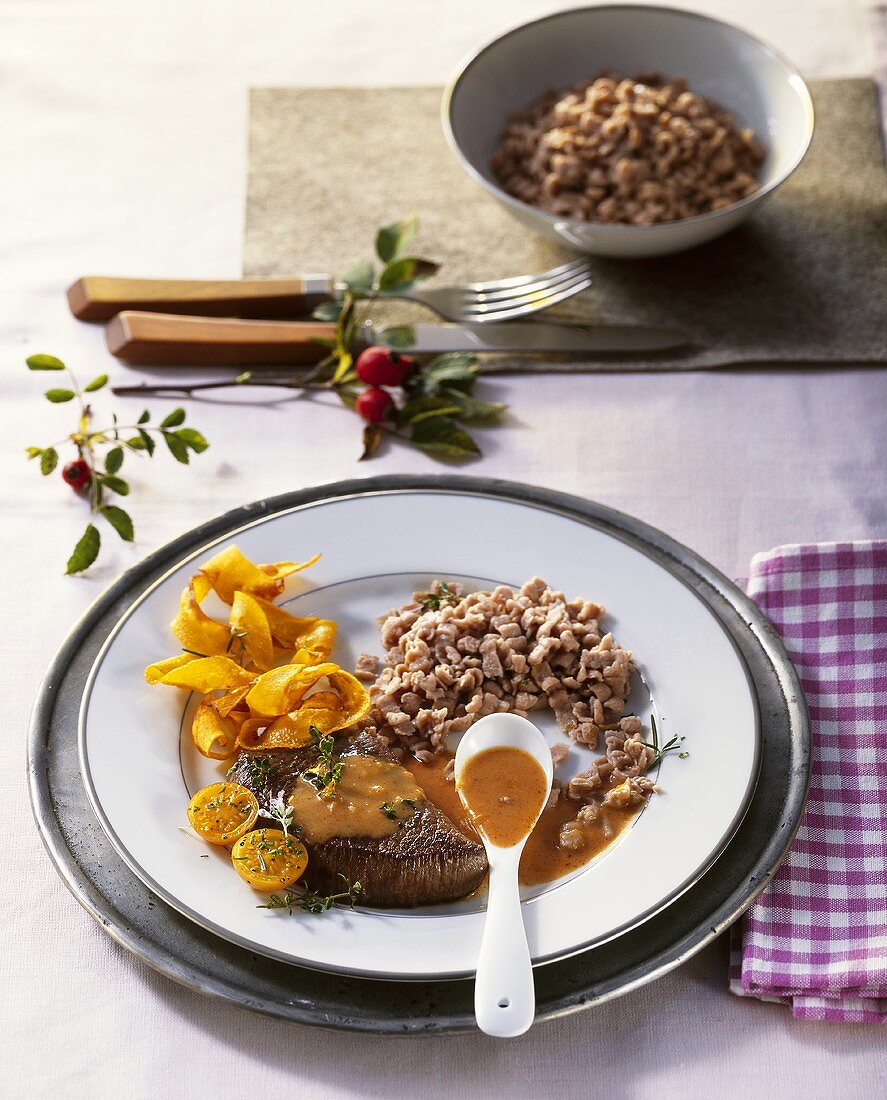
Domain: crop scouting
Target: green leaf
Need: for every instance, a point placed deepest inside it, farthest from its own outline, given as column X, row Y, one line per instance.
column 359, row 279
column 245, row 377
column 48, row 460
column 96, row 383
column 177, row 448
column 58, row 396
column 327, row 311
column 147, row 442
column 372, row 437
column 44, row 362
column 473, row 409
column 393, row 239
column 440, row 436
column 32, row 452
column 456, row 369
column 176, row 417
column 425, row 406
column 116, row 485
column 135, row 444
column 114, row 460
column 193, row 439
column 85, row 552
column 120, row 521
column 144, row 418
column 400, row 275
column 397, row 336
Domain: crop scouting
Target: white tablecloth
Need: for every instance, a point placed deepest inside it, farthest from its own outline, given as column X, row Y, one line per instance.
column 123, row 130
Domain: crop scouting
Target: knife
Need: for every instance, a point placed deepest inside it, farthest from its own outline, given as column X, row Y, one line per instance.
column 174, row 340
column 101, row 297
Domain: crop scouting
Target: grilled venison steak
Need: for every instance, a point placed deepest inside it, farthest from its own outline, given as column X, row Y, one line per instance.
column 426, row 860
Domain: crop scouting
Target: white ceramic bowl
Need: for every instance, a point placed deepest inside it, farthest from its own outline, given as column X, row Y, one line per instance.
column 739, row 73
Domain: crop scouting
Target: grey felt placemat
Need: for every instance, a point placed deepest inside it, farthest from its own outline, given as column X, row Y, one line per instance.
column 804, row 281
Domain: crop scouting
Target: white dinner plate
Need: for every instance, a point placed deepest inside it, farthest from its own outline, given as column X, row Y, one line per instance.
column 140, row 767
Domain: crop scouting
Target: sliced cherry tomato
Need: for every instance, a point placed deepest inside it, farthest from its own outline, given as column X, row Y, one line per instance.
column 268, row 859
column 222, row 812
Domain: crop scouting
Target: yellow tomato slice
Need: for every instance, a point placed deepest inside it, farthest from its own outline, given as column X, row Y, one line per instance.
column 222, row 812
column 268, row 859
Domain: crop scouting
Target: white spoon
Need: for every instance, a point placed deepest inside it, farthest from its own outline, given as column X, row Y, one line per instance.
column 504, row 995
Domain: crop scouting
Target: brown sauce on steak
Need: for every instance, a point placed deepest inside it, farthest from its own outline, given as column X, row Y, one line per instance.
column 371, row 799
column 425, row 859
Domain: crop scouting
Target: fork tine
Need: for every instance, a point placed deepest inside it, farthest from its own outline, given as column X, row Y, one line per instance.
column 516, row 294
column 519, row 307
column 574, row 266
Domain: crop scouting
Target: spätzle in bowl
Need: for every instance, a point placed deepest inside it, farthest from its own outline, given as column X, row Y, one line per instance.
column 628, row 131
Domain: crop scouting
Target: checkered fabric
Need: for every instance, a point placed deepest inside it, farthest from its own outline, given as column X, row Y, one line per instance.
column 816, row 938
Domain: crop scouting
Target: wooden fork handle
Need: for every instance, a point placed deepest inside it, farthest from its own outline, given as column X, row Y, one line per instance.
column 101, row 297
column 171, row 340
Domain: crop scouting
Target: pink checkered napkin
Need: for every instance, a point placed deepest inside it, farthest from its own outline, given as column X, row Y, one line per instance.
column 817, row 936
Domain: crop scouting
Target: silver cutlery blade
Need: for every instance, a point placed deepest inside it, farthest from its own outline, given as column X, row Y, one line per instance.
column 528, row 337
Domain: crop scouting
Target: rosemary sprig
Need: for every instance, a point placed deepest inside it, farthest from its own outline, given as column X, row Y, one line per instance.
column 672, row 745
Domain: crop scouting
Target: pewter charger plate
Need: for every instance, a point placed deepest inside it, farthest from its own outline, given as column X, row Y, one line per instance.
column 177, row 947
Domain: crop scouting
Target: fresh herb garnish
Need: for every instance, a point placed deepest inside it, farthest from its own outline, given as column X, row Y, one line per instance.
column 281, row 811
column 388, row 810
column 442, row 593
column 259, row 770
column 311, row 901
column 327, row 772
column 278, row 901
column 671, row 745
column 100, row 455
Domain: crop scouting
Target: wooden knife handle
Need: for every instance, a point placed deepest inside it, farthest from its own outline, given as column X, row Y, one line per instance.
column 170, row 340
column 100, row 297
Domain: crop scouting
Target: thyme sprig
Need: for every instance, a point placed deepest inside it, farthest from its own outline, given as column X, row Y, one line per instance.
column 442, row 593
column 281, row 811
column 259, row 770
column 672, row 745
column 101, row 453
column 311, row 901
column 327, row 772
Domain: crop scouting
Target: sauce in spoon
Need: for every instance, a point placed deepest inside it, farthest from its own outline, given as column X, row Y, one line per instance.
column 503, row 776
column 504, row 790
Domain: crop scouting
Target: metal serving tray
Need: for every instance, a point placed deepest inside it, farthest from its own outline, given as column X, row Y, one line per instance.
column 171, row 944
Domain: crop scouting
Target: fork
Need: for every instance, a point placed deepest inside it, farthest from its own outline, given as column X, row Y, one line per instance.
column 503, row 299
column 99, row 297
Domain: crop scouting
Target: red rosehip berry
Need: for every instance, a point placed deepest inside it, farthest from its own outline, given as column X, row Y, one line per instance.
column 378, row 366
column 77, row 474
column 374, row 404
